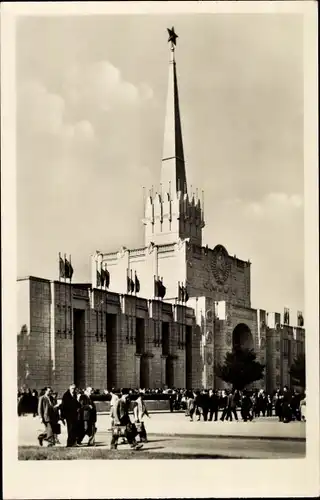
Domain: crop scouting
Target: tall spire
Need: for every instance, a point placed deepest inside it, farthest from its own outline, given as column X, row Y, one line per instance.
column 173, row 170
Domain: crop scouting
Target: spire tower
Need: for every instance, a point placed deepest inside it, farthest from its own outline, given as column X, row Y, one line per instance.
column 170, row 214
column 173, row 165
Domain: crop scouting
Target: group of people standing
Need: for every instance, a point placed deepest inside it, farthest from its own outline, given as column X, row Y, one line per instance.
column 28, row 402
column 207, row 404
column 77, row 410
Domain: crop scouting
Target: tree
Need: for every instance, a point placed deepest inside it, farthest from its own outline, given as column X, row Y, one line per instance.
column 240, row 368
column 298, row 370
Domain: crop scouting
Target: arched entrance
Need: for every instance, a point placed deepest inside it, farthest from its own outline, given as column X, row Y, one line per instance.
column 242, row 337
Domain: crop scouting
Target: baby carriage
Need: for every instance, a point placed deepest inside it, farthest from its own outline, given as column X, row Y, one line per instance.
column 122, row 431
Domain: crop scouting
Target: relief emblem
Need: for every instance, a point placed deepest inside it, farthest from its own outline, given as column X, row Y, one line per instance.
column 220, row 264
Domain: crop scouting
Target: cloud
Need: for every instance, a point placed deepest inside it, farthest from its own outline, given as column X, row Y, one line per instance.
column 270, row 205
column 41, row 112
column 100, row 85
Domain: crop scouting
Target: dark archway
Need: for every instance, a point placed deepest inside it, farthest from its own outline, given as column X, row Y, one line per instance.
column 242, row 337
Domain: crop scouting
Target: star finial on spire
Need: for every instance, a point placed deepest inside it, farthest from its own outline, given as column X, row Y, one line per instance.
column 172, row 37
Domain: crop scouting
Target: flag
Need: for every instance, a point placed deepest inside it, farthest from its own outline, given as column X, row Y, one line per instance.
column 136, row 283
column 156, row 287
column 99, row 281
column 62, row 269
column 286, row 319
column 162, row 289
column 106, row 278
column 183, row 295
column 68, row 269
column 130, row 285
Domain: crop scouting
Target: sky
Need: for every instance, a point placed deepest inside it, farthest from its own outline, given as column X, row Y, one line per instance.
column 91, row 96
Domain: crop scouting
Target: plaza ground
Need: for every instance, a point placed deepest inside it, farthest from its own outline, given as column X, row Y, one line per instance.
column 174, row 436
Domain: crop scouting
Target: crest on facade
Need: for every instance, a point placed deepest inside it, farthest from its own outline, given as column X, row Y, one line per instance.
column 220, row 264
column 229, row 339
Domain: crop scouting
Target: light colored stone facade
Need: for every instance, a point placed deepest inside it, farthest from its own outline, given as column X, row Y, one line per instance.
column 75, row 333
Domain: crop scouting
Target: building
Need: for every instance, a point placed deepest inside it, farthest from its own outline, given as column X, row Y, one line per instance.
column 116, row 338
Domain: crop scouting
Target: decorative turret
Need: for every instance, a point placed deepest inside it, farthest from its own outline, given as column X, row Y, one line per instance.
column 171, row 213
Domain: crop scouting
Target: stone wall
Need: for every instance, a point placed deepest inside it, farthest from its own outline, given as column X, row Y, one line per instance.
column 34, row 337
column 48, row 336
column 201, row 278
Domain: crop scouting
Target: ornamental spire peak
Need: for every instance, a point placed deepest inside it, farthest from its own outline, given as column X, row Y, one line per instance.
column 172, row 37
column 173, row 166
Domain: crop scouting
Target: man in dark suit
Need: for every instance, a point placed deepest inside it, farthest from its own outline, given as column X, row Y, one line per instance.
column 225, row 404
column 47, row 414
column 70, row 412
column 204, row 403
column 213, row 405
column 88, row 417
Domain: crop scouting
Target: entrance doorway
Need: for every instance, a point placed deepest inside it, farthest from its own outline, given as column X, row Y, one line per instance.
column 79, row 347
column 111, row 334
column 242, row 337
column 139, row 335
column 144, row 372
column 188, row 357
column 169, row 372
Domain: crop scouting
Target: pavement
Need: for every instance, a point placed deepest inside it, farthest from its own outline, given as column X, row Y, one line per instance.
column 174, row 433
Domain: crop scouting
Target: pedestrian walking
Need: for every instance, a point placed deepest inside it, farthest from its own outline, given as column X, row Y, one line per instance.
column 88, row 417
column 47, row 416
column 70, row 407
column 213, row 403
column 140, row 411
column 122, row 423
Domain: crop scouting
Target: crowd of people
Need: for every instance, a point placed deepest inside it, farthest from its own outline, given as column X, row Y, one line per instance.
column 77, row 410
column 206, row 404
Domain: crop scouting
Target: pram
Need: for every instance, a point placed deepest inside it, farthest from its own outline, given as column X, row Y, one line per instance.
column 122, row 431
